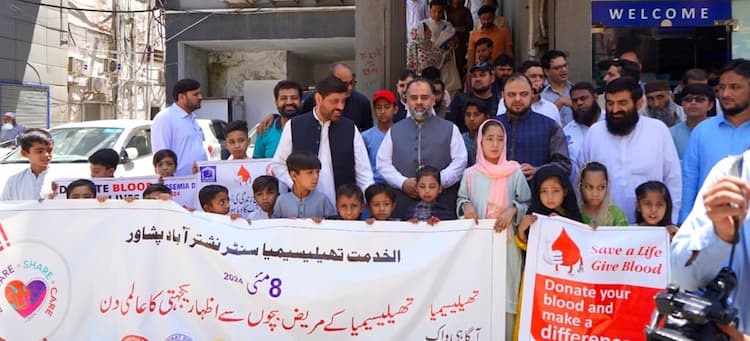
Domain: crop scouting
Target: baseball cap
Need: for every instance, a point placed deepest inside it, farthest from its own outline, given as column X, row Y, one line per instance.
column 484, row 66
column 10, row 114
column 385, row 94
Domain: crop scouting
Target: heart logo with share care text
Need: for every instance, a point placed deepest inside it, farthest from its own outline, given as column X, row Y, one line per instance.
column 25, row 299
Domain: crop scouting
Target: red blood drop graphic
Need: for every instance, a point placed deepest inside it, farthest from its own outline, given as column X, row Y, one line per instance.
column 244, row 174
column 570, row 251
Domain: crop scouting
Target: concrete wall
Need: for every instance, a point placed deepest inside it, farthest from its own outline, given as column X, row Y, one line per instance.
column 370, row 47
column 246, row 26
column 741, row 39
column 228, row 71
column 572, row 34
column 33, row 49
column 195, row 66
column 299, row 69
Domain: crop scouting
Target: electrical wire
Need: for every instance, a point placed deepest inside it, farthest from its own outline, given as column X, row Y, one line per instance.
column 90, row 9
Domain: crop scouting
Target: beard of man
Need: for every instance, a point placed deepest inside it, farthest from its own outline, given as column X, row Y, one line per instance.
column 509, row 110
column 419, row 115
column 587, row 117
column 737, row 109
column 625, row 125
column 480, row 90
column 289, row 110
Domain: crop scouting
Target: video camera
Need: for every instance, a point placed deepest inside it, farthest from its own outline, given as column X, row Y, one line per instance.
column 692, row 316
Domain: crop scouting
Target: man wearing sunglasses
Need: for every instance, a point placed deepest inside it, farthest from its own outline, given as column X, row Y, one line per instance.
column 697, row 100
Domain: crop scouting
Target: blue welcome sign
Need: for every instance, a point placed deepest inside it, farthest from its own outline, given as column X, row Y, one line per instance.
column 660, row 13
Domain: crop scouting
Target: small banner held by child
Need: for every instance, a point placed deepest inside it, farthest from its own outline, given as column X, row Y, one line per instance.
column 584, row 284
column 151, row 270
column 184, row 190
column 111, row 188
column 237, row 176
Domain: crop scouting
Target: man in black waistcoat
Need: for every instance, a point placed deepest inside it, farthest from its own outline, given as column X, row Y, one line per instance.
column 326, row 133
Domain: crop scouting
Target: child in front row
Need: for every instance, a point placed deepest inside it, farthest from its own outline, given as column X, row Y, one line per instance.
column 349, row 202
column 381, row 200
column 551, row 195
column 36, row 145
column 265, row 192
column 157, row 192
column 81, row 189
column 237, row 140
column 654, row 206
column 428, row 208
column 303, row 201
column 214, row 199
column 103, row 163
column 165, row 163
column 597, row 208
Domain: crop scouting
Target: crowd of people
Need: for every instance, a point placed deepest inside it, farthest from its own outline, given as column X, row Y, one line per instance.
column 511, row 145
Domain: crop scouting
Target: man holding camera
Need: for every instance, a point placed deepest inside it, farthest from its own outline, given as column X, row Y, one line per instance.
column 704, row 242
column 720, row 214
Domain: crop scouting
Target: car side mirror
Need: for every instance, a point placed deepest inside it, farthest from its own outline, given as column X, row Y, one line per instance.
column 128, row 155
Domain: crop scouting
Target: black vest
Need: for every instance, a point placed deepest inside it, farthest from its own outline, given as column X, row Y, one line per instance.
column 306, row 137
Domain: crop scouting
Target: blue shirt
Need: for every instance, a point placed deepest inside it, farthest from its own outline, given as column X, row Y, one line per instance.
column 373, row 137
column 177, row 130
column 711, row 140
column 11, row 134
column 566, row 113
column 697, row 234
column 265, row 145
column 680, row 136
column 471, row 149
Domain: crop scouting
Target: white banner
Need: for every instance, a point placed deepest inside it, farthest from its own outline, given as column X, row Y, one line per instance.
column 111, row 188
column 184, row 190
column 83, row 270
column 584, row 284
column 237, row 176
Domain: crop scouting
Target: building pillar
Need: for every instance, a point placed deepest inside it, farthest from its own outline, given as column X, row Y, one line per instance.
column 572, row 34
column 380, row 47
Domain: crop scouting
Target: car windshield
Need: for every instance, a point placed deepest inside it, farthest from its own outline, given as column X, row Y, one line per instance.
column 75, row 144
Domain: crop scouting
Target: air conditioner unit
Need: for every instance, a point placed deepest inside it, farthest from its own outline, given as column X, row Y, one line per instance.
column 113, row 65
column 76, row 65
column 98, row 85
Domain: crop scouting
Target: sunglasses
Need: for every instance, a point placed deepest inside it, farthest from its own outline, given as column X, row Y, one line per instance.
column 695, row 99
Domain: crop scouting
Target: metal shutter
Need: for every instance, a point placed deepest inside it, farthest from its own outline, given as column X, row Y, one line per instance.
column 30, row 103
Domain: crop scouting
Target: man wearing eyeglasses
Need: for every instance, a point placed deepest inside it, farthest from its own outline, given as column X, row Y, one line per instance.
column 721, row 135
column 357, row 106
column 697, row 101
column 557, row 91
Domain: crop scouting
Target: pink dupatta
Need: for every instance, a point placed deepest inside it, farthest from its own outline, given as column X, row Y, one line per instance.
column 499, row 173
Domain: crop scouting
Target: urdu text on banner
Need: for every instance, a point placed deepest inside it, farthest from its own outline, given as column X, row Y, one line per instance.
column 84, row 270
column 601, row 288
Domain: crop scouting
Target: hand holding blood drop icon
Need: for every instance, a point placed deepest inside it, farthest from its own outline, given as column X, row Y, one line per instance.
column 571, row 254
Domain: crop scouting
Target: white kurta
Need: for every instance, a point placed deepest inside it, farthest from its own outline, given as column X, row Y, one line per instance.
column 326, row 183
column 646, row 154
column 25, row 185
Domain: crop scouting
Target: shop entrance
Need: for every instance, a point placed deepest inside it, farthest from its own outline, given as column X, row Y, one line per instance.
column 665, row 52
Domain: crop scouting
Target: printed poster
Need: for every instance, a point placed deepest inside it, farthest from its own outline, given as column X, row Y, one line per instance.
column 151, row 270
column 584, row 284
column 183, row 188
column 111, row 188
column 237, row 176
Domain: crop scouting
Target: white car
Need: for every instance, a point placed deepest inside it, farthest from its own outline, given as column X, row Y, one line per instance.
column 75, row 142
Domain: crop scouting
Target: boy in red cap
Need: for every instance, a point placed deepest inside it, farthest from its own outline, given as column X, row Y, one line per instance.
column 384, row 106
